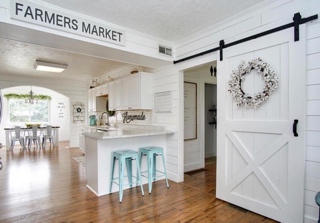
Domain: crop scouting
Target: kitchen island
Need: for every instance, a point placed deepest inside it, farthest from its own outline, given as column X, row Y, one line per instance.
column 100, row 145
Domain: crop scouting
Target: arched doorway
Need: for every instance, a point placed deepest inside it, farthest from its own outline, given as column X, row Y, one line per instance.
column 58, row 112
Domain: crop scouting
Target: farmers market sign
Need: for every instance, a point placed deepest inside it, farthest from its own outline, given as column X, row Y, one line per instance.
column 48, row 17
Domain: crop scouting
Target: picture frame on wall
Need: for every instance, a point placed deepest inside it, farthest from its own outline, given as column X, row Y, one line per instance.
column 190, row 111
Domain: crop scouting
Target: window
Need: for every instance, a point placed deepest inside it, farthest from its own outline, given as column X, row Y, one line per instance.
column 20, row 111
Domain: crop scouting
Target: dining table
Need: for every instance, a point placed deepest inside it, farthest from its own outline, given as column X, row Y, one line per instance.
column 27, row 130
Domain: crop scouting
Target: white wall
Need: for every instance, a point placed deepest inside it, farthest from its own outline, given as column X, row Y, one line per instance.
column 74, row 90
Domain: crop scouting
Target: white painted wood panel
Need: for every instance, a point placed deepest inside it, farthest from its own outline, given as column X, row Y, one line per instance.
column 313, row 154
column 311, row 213
column 168, row 81
column 313, row 61
column 313, row 107
column 313, row 138
column 313, row 92
column 255, row 168
column 313, row 30
column 313, row 77
column 313, row 46
column 312, row 169
column 313, row 123
column 312, row 183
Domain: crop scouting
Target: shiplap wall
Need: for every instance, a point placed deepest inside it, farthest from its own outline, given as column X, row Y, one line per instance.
column 74, row 90
column 161, row 83
column 312, row 184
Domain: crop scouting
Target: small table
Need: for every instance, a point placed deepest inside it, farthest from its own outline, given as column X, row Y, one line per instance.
column 55, row 131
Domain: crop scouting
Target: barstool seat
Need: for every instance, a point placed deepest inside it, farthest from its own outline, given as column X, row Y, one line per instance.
column 152, row 152
column 125, row 157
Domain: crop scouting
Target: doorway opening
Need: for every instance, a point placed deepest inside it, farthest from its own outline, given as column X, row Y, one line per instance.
column 210, row 123
column 200, row 120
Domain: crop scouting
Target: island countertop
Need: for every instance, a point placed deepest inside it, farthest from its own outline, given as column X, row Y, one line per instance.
column 125, row 133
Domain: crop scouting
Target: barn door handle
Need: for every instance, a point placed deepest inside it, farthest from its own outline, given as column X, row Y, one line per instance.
column 294, row 127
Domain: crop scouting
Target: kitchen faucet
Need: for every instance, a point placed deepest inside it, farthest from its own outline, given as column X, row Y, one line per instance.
column 102, row 117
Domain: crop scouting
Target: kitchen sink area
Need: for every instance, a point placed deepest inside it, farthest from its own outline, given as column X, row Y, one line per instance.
column 105, row 129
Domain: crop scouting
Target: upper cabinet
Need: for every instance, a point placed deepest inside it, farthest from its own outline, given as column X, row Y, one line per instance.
column 97, row 98
column 92, row 99
column 137, row 92
column 115, row 95
column 102, row 90
column 129, row 93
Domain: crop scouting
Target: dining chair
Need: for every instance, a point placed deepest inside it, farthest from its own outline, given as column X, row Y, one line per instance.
column 47, row 135
column 33, row 137
column 16, row 136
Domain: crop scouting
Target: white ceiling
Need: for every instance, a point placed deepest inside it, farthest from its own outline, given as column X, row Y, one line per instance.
column 171, row 20
column 18, row 58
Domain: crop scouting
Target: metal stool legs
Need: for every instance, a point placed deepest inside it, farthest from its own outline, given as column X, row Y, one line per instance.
column 152, row 152
column 125, row 158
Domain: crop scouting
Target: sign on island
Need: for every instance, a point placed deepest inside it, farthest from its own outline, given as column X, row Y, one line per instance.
column 38, row 14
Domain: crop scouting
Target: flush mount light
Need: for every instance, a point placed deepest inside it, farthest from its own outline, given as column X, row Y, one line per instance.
column 49, row 67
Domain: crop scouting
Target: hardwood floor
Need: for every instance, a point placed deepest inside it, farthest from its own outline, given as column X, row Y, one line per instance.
column 50, row 186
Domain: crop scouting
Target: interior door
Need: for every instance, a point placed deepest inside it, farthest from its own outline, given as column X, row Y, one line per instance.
column 260, row 163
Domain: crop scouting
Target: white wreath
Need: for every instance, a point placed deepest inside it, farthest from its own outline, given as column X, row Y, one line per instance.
column 238, row 76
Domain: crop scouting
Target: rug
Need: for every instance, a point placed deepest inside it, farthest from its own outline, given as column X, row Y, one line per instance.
column 81, row 160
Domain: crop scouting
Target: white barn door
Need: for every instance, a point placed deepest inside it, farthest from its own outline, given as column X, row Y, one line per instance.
column 260, row 164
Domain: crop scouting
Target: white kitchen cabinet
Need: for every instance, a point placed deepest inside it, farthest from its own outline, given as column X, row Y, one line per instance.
column 92, row 99
column 139, row 94
column 95, row 101
column 84, row 129
column 129, row 93
column 102, row 90
column 134, row 92
column 81, row 139
column 115, row 95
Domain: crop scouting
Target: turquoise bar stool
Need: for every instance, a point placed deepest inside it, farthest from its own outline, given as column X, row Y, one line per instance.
column 151, row 153
column 317, row 198
column 125, row 157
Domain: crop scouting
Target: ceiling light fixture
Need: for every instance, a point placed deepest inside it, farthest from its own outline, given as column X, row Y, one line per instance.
column 31, row 98
column 49, row 67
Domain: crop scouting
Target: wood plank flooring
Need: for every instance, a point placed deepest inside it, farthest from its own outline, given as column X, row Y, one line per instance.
column 50, row 186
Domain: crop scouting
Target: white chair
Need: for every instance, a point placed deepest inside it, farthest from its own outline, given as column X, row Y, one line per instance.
column 16, row 136
column 47, row 135
column 33, row 137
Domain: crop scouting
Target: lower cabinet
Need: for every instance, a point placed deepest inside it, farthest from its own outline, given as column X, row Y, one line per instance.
column 82, row 144
column 81, row 140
